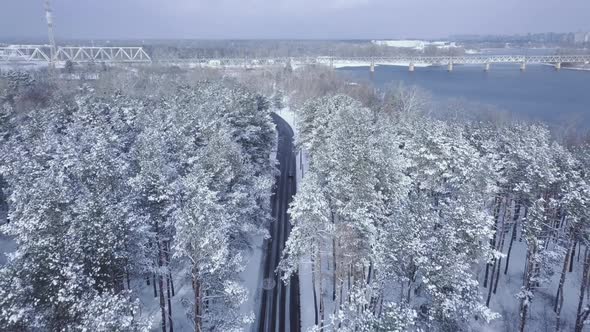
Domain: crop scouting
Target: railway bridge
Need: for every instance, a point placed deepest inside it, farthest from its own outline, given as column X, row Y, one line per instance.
column 137, row 55
column 76, row 54
column 486, row 61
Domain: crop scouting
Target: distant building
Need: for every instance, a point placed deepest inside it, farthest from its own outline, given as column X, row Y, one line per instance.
column 580, row 37
column 419, row 45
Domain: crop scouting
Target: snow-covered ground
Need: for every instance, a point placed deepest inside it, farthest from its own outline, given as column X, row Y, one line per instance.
column 472, row 51
column 7, row 245
column 252, row 277
column 150, row 305
column 541, row 314
column 5, row 66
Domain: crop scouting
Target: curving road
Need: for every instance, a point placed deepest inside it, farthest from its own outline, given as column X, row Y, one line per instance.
column 279, row 304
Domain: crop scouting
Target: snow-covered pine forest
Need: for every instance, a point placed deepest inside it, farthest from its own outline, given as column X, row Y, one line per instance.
column 106, row 192
column 404, row 220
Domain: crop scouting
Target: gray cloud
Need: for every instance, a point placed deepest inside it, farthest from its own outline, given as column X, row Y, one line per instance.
column 290, row 18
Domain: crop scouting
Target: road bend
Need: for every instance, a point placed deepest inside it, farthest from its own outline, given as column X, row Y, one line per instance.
column 279, row 305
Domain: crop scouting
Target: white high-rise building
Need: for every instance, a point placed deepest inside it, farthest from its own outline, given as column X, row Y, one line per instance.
column 580, row 37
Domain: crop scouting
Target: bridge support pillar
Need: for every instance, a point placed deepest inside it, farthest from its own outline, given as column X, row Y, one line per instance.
column 558, row 66
column 487, row 67
column 450, row 67
column 411, row 67
column 523, row 66
column 372, row 67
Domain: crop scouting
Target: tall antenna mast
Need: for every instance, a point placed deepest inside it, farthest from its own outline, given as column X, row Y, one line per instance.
column 49, row 17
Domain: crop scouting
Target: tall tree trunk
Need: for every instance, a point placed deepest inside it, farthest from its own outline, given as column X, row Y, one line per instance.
column 497, row 206
column 337, row 299
column 169, row 269
column 321, row 289
column 491, row 283
column 515, row 218
column 582, row 313
column 162, row 301
column 495, row 269
column 572, row 257
column 498, row 267
column 340, row 301
column 128, row 280
column 411, row 280
column 349, row 275
column 559, row 296
column 198, row 291
column 512, row 238
column 335, row 266
column 526, row 211
column 160, row 278
column 313, row 283
column 169, row 303
column 526, row 298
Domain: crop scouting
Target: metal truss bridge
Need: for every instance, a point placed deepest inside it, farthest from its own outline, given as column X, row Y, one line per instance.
column 84, row 54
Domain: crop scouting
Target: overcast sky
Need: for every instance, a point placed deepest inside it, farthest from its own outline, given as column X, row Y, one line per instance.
column 316, row 19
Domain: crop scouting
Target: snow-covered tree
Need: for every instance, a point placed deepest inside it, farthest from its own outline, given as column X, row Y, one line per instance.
column 77, row 238
column 404, row 207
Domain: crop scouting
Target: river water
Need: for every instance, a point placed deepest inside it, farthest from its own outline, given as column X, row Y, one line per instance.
column 539, row 93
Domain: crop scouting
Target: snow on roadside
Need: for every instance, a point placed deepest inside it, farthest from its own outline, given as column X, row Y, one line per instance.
column 252, row 277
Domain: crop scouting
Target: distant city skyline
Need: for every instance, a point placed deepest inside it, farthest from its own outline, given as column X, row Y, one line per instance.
column 291, row 19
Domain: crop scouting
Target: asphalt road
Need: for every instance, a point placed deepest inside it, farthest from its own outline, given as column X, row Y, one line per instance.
column 279, row 305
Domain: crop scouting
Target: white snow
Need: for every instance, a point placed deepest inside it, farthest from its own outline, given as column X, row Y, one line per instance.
column 252, row 277
column 7, row 245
